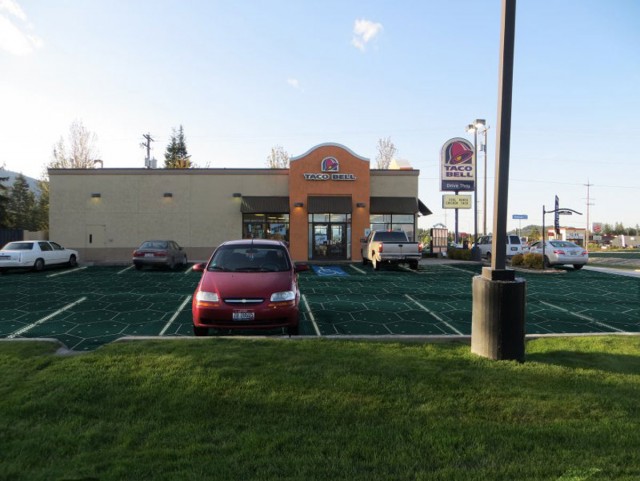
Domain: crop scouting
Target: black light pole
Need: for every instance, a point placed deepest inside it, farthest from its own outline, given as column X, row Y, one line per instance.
column 499, row 298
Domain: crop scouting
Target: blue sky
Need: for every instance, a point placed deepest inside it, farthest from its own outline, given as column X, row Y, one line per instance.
column 244, row 76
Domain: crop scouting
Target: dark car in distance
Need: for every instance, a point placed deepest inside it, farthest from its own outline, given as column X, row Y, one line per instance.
column 159, row 253
column 247, row 284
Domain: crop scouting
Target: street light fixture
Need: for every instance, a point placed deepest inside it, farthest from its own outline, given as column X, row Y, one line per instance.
column 480, row 125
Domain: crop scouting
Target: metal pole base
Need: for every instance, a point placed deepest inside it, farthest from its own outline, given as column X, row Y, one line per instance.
column 498, row 316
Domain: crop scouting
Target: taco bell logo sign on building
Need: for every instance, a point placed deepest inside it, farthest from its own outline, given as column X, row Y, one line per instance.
column 330, row 168
column 457, row 166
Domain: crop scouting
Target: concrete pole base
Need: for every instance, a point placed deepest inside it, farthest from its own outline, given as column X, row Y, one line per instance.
column 498, row 316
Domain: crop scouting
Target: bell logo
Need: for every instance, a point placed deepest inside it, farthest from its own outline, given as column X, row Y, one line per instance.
column 330, row 164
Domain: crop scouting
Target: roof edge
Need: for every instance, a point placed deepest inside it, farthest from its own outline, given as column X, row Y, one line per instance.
column 330, row 144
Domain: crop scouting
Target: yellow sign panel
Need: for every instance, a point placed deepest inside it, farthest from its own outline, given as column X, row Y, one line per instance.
column 456, row 202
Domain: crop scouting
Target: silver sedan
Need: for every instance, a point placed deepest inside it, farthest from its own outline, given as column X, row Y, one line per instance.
column 559, row 252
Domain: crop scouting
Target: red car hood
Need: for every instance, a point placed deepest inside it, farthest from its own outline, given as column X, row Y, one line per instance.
column 246, row 284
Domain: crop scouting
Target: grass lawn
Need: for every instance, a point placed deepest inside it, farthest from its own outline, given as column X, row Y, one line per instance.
column 225, row 409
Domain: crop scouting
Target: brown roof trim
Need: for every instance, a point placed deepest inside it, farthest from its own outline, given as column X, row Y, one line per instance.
column 329, row 204
column 264, row 205
column 398, row 205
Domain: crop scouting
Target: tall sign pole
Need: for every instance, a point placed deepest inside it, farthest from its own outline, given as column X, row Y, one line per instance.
column 499, row 298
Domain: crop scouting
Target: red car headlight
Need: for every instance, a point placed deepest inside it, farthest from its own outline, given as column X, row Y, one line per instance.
column 283, row 296
column 207, row 299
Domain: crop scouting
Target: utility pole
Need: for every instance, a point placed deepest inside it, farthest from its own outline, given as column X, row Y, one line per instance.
column 589, row 203
column 147, row 145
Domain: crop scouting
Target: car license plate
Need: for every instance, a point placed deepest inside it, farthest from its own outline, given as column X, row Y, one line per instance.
column 514, row 248
column 243, row 315
column 148, row 254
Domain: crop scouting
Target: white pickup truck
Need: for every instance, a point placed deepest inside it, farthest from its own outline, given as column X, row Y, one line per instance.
column 391, row 248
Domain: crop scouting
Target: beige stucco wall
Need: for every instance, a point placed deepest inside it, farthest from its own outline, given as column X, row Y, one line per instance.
column 132, row 208
column 201, row 214
column 394, row 183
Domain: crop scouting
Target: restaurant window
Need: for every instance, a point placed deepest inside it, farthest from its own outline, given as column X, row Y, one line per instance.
column 266, row 226
column 390, row 222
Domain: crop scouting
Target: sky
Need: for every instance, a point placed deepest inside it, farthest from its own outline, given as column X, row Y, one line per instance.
column 242, row 77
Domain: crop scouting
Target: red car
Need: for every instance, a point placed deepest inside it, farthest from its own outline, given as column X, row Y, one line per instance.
column 247, row 284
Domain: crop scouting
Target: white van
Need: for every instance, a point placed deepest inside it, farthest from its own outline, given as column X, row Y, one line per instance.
column 514, row 246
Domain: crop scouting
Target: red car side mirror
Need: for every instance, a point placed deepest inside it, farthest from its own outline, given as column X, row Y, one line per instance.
column 199, row 267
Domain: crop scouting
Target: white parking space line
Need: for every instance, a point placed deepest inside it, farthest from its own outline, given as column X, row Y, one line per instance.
column 126, row 269
column 582, row 316
column 188, row 270
column 67, row 272
column 407, row 269
column 21, row 331
column 175, row 314
column 459, row 269
column 313, row 320
column 356, row 269
column 433, row 314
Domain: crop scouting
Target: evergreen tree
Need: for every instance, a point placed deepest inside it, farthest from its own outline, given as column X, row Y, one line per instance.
column 21, row 205
column 41, row 215
column 4, row 201
column 176, row 156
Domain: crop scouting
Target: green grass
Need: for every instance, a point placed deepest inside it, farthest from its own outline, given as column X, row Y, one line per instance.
column 227, row 409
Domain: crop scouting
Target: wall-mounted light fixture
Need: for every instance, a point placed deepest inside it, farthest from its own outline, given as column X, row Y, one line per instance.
column 168, row 194
column 237, row 194
column 96, row 195
column 298, row 204
column 361, row 204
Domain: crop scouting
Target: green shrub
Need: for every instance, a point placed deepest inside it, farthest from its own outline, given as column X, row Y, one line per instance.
column 517, row 260
column 532, row 261
column 459, row 254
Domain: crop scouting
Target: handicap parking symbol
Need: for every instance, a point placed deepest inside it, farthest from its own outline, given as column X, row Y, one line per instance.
column 326, row 271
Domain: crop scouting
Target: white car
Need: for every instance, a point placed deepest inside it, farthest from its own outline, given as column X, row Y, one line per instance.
column 35, row 255
column 559, row 252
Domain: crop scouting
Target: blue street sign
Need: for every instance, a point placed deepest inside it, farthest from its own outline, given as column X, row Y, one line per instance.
column 519, row 216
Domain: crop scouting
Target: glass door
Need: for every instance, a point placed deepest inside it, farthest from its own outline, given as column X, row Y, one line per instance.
column 320, row 241
column 338, row 242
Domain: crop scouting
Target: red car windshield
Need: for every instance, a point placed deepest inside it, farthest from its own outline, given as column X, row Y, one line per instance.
column 251, row 258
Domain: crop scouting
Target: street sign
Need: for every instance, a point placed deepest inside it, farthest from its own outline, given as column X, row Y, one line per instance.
column 519, row 216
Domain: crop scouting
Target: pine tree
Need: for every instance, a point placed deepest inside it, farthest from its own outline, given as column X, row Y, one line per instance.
column 4, row 201
column 176, row 156
column 21, row 205
column 41, row 215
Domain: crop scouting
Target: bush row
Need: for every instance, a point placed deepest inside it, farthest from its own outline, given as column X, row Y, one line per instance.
column 531, row 261
column 459, row 254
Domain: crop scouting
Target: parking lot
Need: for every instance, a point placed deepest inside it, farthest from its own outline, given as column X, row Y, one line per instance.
column 87, row 307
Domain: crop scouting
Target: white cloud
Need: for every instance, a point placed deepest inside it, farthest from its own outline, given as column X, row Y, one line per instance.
column 14, row 39
column 363, row 32
column 294, row 82
column 13, row 8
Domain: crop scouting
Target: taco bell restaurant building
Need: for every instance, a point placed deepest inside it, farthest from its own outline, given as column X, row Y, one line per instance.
column 322, row 205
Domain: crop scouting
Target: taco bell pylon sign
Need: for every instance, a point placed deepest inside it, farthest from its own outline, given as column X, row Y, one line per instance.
column 457, row 166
